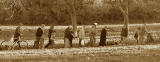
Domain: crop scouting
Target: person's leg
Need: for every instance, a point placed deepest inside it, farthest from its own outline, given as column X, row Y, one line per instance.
column 80, row 42
column 94, row 40
column 71, row 42
column 121, row 39
column 36, row 44
column 91, row 41
column 19, row 45
column 141, row 39
column 41, row 44
column 49, row 42
column 137, row 40
column 101, row 42
column 14, row 42
column 104, row 43
column 18, row 42
column 67, row 43
column 65, row 39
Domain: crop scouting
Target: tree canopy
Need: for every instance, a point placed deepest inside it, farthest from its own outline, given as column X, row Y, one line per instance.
column 60, row 12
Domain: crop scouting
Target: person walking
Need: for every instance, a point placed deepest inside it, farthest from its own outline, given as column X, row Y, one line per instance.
column 68, row 37
column 39, row 34
column 51, row 36
column 103, row 37
column 142, row 34
column 124, row 33
column 136, row 35
column 18, row 35
column 81, row 36
column 92, row 35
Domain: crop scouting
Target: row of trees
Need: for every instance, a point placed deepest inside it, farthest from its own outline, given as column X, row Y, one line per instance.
column 63, row 12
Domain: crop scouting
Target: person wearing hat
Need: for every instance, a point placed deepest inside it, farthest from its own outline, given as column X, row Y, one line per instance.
column 92, row 35
column 103, row 37
column 39, row 34
column 18, row 35
column 51, row 36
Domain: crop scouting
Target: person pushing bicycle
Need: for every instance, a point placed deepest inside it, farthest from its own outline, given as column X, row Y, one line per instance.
column 17, row 35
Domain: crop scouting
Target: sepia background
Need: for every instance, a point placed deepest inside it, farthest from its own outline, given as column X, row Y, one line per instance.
column 58, row 12
column 115, row 14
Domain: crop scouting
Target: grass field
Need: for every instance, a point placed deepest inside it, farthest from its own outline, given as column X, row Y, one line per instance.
column 110, row 53
column 135, row 53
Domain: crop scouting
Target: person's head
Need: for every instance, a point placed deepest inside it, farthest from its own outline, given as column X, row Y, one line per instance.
column 70, row 27
column 20, row 24
column 52, row 27
column 43, row 25
column 95, row 24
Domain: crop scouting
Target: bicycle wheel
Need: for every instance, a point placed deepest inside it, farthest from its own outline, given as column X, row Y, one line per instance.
column 25, row 44
column 2, row 44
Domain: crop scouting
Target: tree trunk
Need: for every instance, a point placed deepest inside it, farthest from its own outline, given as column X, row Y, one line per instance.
column 125, row 15
column 126, row 19
column 74, row 21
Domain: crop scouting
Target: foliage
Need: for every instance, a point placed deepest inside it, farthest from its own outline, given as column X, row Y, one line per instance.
column 58, row 12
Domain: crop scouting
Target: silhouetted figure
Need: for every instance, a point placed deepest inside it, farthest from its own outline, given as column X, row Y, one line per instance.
column 149, row 37
column 51, row 37
column 124, row 33
column 136, row 35
column 39, row 34
column 103, row 37
column 68, row 37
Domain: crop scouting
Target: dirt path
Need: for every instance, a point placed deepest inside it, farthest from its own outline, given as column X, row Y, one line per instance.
column 77, row 51
column 134, row 53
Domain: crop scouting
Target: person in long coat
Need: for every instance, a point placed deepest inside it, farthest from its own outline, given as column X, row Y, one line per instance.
column 103, row 37
column 39, row 37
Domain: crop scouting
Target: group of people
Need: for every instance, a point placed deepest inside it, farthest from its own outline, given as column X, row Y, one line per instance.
column 69, row 36
column 39, row 43
column 142, row 35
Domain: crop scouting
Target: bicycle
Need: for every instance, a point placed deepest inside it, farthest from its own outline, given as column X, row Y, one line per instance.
column 3, row 43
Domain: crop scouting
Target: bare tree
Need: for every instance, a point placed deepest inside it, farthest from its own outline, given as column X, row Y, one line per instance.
column 14, row 6
column 123, row 6
column 71, row 7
